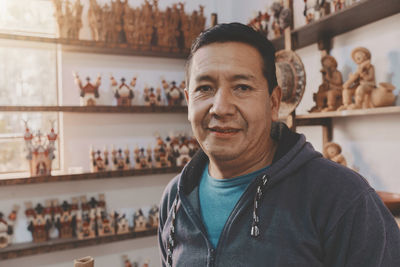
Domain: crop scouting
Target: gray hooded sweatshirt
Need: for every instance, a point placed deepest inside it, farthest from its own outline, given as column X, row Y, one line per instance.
column 304, row 211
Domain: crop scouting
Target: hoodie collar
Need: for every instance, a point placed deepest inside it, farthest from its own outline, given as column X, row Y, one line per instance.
column 290, row 145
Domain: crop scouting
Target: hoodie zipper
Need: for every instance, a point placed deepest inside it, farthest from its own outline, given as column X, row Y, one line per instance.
column 259, row 183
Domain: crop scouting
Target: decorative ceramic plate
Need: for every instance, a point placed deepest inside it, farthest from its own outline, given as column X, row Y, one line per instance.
column 291, row 78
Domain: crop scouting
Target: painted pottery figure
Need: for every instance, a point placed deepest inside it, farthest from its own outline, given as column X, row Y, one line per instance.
column 333, row 152
column 329, row 95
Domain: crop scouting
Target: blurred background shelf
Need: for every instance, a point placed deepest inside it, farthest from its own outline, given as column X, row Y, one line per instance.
column 89, row 46
column 27, row 249
column 97, row 109
column 88, row 176
column 353, row 17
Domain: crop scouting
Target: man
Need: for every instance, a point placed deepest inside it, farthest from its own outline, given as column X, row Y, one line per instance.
column 258, row 194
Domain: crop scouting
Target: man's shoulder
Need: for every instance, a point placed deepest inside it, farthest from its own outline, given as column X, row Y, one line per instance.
column 326, row 172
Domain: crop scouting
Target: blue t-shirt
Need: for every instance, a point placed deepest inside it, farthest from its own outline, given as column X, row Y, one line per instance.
column 218, row 197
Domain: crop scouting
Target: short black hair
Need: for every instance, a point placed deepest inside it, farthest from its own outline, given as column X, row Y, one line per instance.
column 237, row 32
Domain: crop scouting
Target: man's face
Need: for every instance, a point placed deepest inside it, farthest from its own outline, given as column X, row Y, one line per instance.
column 229, row 105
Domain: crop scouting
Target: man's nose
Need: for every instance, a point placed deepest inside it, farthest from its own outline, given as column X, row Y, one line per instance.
column 223, row 103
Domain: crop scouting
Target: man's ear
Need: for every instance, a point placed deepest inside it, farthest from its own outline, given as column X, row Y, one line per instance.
column 275, row 102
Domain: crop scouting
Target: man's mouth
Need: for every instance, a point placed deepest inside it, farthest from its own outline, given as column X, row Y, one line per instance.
column 224, row 130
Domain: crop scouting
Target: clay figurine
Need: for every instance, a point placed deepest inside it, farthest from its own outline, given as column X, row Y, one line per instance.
column 99, row 161
column 333, row 152
column 121, row 224
column 66, row 224
column 153, row 218
column 88, row 92
column 69, row 18
column 139, row 221
column 7, row 227
column 38, row 225
column 329, row 95
column 123, row 93
column 174, row 95
column 120, row 159
column 40, row 151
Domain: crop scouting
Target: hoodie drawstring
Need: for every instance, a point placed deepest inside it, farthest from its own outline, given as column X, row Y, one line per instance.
column 255, row 230
column 171, row 237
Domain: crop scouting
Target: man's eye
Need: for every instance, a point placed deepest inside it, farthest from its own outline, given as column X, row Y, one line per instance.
column 243, row 87
column 204, row 88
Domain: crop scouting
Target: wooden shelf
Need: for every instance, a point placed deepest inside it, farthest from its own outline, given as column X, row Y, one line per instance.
column 88, row 46
column 97, row 109
column 88, row 176
column 353, row 17
column 321, row 118
column 27, row 249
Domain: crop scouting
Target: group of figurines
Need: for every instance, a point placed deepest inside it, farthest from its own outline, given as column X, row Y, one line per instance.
column 145, row 27
column 7, row 227
column 40, row 150
column 87, row 220
column 128, row 263
column 171, row 152
column 274, row 21
column 124, row 92
column 358, row 92
column 316, row 9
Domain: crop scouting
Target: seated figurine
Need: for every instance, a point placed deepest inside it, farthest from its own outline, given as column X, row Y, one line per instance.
column 360, row 83
column 329, row 95
column 333, row 152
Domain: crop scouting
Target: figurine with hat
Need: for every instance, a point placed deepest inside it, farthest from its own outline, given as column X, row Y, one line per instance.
column 329, row 95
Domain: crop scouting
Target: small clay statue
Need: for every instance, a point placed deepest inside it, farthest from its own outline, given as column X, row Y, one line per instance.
column 333, row 152
column 362, row 82
column 329, row 95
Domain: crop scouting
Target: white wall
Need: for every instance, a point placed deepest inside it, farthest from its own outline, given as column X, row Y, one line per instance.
column 369, row 143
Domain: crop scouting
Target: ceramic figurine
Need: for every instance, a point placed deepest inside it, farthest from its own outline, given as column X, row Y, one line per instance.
column 193, row 147
column 260, row 23
column 153, row 218
column 174, row 95
column 7, row 227
column 38, row 226
column 99, row 161
column 363, row 80
column 123, row 93
column 339, row 4
column 66, row 223
column 183, row 153
column 329, row 95
column 40, row 150
column 333, row 152
column 69, row 18
column 88, row 92
column 121, row 224
column 120, row 159
column 150, row 98
column 281, row 18
column 126, row 260
column 86, row 219
column 315, row 9
column 146, row 263
column 141, row 159
column 105, row 221
column 161, row 154
column 139, row 221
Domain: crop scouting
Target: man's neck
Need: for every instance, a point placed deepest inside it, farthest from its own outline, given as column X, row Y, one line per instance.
column 225, row 169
